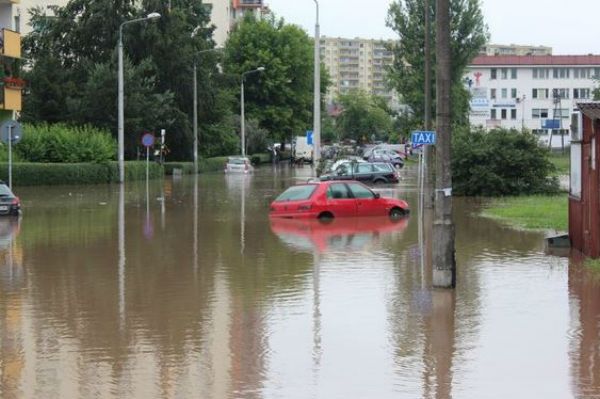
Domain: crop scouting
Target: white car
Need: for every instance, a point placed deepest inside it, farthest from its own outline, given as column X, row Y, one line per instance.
column 341, row 162
column 238, row 165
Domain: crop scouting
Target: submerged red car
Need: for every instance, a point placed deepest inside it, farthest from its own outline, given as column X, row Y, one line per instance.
column 333, row 199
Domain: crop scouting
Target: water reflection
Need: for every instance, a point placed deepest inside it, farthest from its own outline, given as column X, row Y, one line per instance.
column 342, row 234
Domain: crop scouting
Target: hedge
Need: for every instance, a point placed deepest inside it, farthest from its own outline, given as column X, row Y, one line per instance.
column 187, row 168
column 35, row 174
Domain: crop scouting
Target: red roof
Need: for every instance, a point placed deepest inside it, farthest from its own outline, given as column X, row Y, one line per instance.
column 566, row 60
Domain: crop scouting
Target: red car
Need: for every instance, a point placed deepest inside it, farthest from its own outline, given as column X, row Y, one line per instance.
column 333, row 199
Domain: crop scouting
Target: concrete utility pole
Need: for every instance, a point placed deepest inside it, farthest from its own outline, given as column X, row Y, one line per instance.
column 444, row 263
column 317, row 93
column 428, row 150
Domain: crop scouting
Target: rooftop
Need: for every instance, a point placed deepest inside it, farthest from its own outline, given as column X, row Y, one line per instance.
column 566, row 60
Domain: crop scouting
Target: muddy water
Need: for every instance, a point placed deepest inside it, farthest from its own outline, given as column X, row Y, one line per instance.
column 184, row 289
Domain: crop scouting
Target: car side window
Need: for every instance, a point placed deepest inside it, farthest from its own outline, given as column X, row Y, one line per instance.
column 338, row 191
column 363, row 168
column 382, row 167
column 361, row 192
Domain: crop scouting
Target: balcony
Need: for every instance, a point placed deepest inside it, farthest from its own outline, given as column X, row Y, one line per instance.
column 10, row 99
column 10, row 43
column 248, row 3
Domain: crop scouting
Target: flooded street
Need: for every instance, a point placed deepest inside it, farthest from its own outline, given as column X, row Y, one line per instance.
column 194, row 293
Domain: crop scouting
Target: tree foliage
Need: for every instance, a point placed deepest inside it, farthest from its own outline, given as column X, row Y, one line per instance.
column 281, row 97
column 73, row 69
column 468, row 34
column 363, row 117
column 500, row 162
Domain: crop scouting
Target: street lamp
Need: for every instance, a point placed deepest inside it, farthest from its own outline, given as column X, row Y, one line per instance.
column 196, row 103
column 121, row 101
column 317, row 92
column 243, row 122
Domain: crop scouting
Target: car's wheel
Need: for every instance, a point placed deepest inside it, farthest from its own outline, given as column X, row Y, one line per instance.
column 325, row 216
column 379, row 181
column 397, row 213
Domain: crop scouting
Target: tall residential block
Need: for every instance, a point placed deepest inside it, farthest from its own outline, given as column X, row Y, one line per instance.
column 358, row 64
column 225, row 13
column 11, row 85
column 514, row 49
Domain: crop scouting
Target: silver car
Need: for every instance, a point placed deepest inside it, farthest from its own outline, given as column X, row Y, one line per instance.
column 238, row 165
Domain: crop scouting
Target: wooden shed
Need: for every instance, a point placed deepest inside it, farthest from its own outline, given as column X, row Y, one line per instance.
column 584, row 193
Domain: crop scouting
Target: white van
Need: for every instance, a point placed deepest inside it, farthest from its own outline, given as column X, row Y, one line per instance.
column 302, row 151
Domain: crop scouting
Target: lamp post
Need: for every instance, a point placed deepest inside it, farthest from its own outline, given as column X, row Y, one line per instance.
column 317, row 92
column 242, row 116
column 121, row 101
column 196, row 104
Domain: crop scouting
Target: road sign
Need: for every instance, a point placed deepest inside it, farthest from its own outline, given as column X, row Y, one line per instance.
column 423, row 138
column 13, row 128
column 551, row 124
column 148, row 140
column 309, row 137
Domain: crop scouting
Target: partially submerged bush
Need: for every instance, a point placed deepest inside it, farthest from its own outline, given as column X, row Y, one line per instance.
column 500, row 162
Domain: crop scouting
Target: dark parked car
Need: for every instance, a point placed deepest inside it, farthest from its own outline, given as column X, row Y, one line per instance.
column 366, row 172
column 10, row 205
column 385, row 155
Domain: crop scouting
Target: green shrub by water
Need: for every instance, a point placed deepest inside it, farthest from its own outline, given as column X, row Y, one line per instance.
column 59, row 143
column 187, row 168
column 212, row 164
column 36, row 174
column 499, row 163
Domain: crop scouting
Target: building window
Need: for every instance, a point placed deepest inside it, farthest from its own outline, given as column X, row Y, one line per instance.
column 560, row 132
column 596, row 73
column 493, row 113
column 513, row 93
column 541, row 94
column 561, row 113
column 560, row 73
column 582, row 94
column 513, row 114
column 504, row 93
column 560, row 93
column 513, row 73
column 503, row 113
column 541, row 73
column 493, row 94
column 539, row 132
column 538, row 113
column 504, row 73
column 494, row 74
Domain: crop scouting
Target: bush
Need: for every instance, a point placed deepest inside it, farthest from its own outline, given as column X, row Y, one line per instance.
column 187, row 168
column 500, row 162
column 36, row 174
column 259, row 158
column 212, row 164
column 65, row 144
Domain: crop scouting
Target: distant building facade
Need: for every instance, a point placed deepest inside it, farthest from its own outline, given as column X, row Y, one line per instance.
column 24, row 6
column 225, row 13
column 514, row 49
column 357, row 64
column 11, row 85
column 527, row 91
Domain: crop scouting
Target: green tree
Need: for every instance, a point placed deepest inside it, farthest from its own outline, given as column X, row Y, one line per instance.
column 281, row 97
column 363, row 116
column 72, row 59
column 468, row 34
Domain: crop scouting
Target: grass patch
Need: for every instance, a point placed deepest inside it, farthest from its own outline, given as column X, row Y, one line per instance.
column 593, row 264
column 531, row 212
column 561, row 161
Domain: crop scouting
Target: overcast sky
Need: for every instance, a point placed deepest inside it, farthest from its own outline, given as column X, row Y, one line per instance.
column 570, row 27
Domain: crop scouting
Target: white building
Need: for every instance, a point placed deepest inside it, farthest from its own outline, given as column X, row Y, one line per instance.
column 357, row 64
column 514, row 49
column 225, row 13
column 527, row 91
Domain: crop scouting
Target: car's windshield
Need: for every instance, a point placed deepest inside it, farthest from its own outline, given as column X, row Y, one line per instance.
column 237, row 161
column 297, row 193
column 5, row 191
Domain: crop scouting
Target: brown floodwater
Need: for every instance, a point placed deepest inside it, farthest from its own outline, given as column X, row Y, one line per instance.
column 184, row 289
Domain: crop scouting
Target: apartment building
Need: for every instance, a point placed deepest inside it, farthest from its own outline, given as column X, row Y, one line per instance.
column 11, row 86
column 225, row 13
column 514, row 49
column 357, row 64
column 533, row 92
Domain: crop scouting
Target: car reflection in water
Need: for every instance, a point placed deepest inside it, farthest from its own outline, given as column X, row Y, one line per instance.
column 343, row 234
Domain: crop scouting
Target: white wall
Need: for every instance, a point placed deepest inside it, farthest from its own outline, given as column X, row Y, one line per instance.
column 524, row 84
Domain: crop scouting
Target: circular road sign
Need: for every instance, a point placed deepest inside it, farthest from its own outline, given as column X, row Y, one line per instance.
column 15, row 130
column 148, row 140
